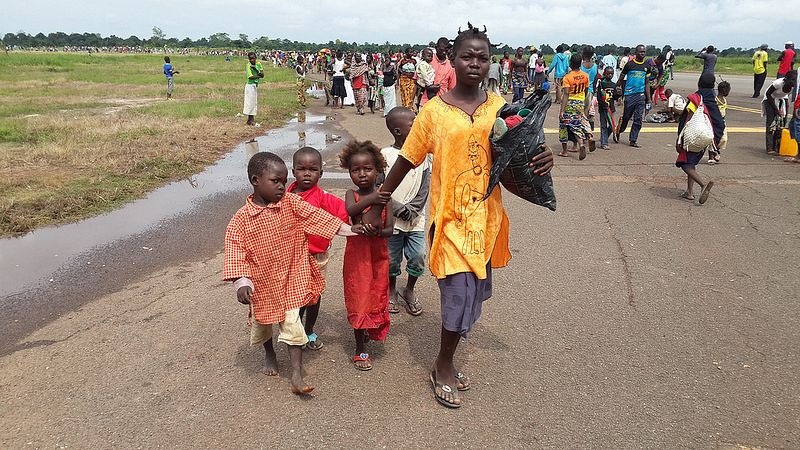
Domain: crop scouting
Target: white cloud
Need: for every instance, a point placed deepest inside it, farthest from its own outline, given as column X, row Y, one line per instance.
column 681, row 23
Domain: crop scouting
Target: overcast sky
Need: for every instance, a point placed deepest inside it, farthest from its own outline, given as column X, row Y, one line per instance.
column 681, row 23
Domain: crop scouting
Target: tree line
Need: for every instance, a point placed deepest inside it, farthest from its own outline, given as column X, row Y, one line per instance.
column 158, row 39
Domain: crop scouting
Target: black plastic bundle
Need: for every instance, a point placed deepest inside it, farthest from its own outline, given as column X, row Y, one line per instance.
column 513, row 151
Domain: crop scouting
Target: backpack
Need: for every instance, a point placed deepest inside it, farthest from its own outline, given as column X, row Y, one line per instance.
column 698, row 133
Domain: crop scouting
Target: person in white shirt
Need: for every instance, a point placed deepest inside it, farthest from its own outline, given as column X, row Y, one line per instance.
column 532, row 62
column 675, row 105
column 408, row 202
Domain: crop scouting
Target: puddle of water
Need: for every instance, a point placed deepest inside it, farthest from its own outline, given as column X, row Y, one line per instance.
column 34, row 257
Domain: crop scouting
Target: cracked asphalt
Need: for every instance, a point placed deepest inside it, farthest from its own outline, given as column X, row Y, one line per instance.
column 629, row 318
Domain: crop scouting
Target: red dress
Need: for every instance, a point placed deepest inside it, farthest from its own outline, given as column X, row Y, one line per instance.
column 366, row 283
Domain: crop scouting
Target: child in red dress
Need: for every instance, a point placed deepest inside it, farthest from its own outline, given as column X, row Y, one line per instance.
column 366, row 258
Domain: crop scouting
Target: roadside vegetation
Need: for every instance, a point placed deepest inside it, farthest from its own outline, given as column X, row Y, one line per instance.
column 81, row 134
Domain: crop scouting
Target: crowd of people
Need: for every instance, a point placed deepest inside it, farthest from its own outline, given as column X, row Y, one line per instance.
column 277, row 245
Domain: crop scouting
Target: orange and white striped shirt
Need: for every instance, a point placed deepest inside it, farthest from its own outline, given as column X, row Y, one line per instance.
column 269, row 245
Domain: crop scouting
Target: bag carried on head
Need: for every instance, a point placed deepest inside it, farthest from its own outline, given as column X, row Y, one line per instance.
column 697, row 134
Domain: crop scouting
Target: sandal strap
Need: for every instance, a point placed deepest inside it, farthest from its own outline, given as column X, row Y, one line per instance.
column 312, row 337
column 361, row 357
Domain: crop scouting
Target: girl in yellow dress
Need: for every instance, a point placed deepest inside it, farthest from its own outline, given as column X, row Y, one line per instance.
column 468, row 236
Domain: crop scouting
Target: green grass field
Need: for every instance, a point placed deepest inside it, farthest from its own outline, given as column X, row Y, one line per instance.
column 81, row 134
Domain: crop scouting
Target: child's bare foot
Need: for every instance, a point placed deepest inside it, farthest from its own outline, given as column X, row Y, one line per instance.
column 270, row 364
column 705, row 192
column 582, row 153
column 687, row 196
column 298, row 386
column 563, row 153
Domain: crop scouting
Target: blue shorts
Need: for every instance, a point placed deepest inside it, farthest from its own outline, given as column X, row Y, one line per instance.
column 412, row 245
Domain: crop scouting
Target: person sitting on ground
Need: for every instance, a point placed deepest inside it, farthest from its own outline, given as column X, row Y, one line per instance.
column 409, row 201
column 688, row 160
column 272, row 271
column 675, row 105
column 307, row 170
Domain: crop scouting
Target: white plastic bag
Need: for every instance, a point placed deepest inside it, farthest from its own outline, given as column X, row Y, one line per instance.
column 698, row 133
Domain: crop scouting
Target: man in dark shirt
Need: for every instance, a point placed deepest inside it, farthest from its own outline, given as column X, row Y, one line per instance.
column 634, row 78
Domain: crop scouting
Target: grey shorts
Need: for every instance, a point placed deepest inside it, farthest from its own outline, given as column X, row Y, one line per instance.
column 462, row 296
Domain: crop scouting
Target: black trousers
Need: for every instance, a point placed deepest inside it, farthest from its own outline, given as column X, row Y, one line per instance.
column 758, row 83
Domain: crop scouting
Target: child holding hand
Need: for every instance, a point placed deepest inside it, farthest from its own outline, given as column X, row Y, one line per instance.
column 366, row 259
column 267, row 258
column 409, row 211
column 307, row 170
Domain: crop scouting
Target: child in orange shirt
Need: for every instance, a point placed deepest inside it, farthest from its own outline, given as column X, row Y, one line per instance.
column 307, row 170
column 267, row 258
column 366, row 258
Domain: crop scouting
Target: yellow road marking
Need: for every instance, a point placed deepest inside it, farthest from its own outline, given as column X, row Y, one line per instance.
column 742, row 108
column 675, row 130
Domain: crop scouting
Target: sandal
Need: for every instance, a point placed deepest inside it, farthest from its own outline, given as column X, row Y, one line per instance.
column 564, row 154
column 364, row 357
column 706, row 191
column 444, row 388
column 463, row 382
column 314, row 343
column 687, row 196
column 412, row 305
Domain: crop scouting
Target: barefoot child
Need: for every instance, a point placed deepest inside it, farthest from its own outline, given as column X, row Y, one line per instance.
column 605, row 101
column 307, row 170
column 366, row 262
column 468, row 235
column 573, row 110
column 688, row 160
column 266, row 256
column 409, row 201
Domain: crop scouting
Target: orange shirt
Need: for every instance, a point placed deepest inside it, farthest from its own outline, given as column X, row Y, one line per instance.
column 467, row 231
column 268, row 244
column 577, row 82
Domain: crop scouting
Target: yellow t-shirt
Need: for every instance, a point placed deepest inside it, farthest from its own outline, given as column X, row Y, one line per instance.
column 759, row 58
column 467, row 231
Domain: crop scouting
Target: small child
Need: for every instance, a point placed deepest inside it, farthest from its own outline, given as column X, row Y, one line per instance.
column 366, row 259
column 409, row 201
column 605, row 102
column 169, row 72
column 424, row 74
column 687, row 160
column 307, row 170
column 266, row 256
column 723, row 91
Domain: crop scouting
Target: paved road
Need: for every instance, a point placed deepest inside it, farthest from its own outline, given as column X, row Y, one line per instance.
column 628, row 318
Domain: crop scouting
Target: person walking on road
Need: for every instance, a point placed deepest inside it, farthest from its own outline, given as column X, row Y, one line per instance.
column 634, row 77
column 469, row 235
column 760, row 60
column 559, row 66
column 255, row 72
